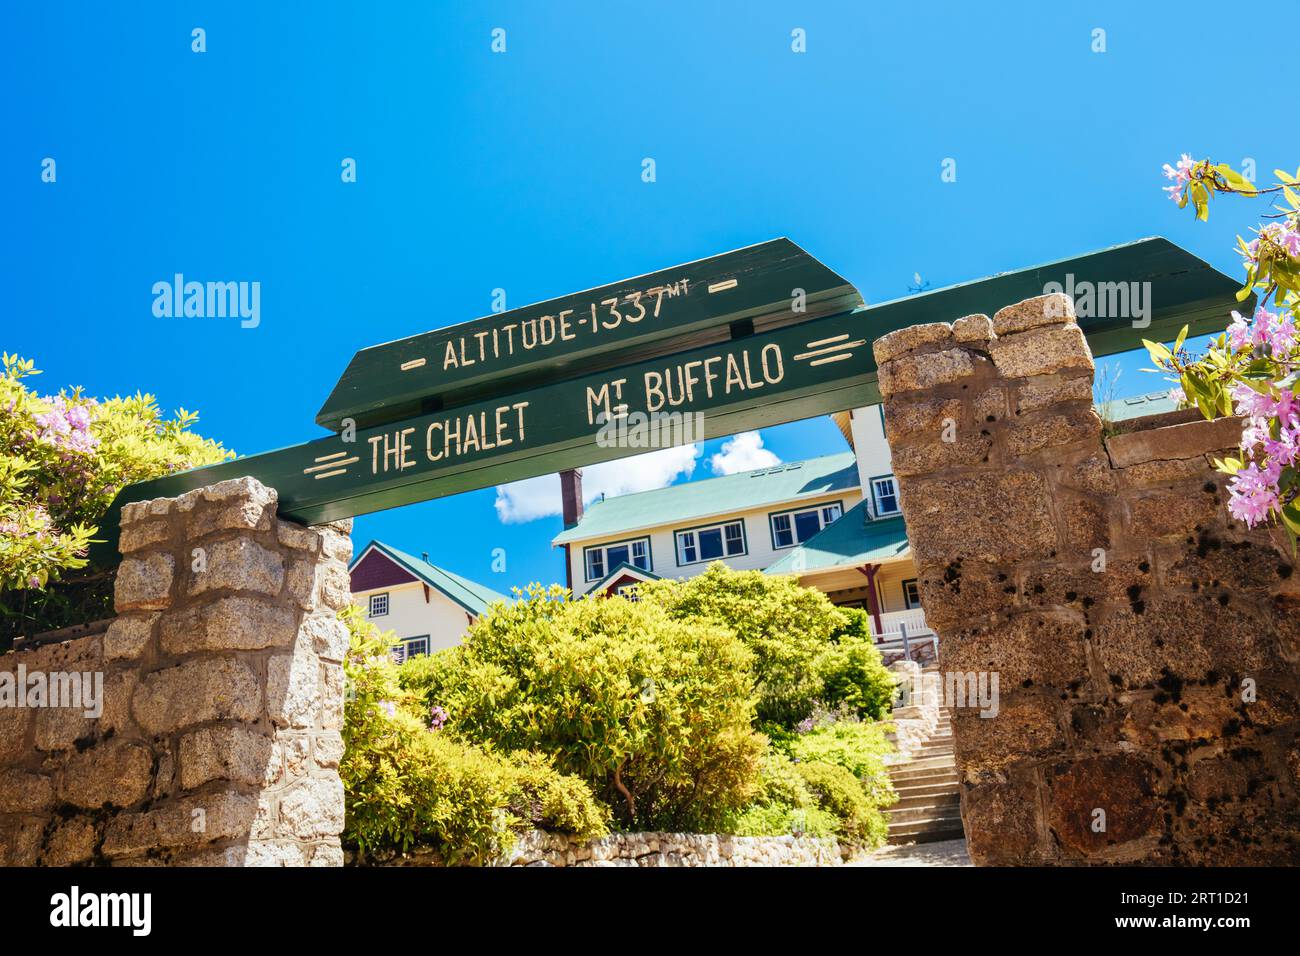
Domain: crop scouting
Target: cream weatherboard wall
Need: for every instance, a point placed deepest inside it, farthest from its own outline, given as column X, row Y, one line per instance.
column 759, row 550
column 870, row 446
column 415, row 610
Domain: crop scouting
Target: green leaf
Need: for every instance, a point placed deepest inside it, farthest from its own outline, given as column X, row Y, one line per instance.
column 1159, row 352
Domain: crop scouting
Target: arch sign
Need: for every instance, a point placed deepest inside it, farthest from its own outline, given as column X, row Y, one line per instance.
column 745, row 340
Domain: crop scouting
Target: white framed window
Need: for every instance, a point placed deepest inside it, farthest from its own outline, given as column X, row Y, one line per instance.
column 884, row 495
column 410, row 647
column 627, row 591
column 726, row 540
column 795, row 527
column 911, row 594
column 603, row 558
column 379, row 604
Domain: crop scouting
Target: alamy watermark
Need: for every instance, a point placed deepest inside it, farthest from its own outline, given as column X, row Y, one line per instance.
column 65, row 689
column 208, row 300
column 625, row 429
column 1106, row 300
column 960, row 690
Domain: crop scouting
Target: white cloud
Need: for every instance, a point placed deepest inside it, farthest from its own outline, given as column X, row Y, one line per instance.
column 539, row 497
column 743, row 452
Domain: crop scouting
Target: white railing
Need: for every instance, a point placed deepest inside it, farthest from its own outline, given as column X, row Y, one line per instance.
column 890, row 622
column 903, row 630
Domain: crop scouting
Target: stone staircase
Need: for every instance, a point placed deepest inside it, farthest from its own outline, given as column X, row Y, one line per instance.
column 929, row 805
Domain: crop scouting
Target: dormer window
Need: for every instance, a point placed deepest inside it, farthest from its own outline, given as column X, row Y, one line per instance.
column 884, row 496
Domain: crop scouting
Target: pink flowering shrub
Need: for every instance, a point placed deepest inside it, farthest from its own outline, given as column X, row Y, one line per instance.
column 1251, row 370
column 63, row 458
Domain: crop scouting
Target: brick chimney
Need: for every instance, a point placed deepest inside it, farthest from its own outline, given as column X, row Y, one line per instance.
column 571, row 496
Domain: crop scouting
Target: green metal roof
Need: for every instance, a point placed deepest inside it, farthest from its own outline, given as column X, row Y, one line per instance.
column 852, row 541
column 1135, row 406
column 470, row 595
column 692, row 500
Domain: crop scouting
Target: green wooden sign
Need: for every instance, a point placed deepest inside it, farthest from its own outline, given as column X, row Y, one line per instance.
column 786, row 374
column 770, row 372
column 1147, row 289
column 766, row 285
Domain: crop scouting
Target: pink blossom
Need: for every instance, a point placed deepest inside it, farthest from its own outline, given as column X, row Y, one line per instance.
column 1182, row 172
column 1250, row 403
column 1253, row 494
column 1290, row 241
column 1239, row 332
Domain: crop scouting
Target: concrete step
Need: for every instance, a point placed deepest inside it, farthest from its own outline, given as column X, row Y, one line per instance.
column 920, row 778
column 936, row 762
column 928, row 830
column 941, row 820
column 930, row 805
column 939, row 786
column 927, row 835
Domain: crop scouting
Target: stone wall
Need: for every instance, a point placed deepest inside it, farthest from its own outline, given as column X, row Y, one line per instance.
column 219, row 737
column 1145, row 644
column 537, row 848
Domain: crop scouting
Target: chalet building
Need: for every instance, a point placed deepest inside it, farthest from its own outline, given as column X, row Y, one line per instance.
column 833, row 522
column 428, row 607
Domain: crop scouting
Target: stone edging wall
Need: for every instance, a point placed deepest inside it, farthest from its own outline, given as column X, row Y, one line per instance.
column 1145, row 644
column 222, row 699
column 537, row 848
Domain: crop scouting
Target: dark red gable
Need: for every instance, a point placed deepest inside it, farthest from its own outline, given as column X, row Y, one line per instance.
column 612, row 588
column 378, row 570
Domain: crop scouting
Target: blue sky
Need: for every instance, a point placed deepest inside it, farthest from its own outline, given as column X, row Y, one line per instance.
column 522, row 171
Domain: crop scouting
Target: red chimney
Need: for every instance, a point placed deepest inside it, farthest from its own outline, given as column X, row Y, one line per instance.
column 571, row 496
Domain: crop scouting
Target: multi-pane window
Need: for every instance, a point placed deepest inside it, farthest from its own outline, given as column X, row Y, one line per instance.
column 796, row 527
column 410, row 647
column 604, row 558
column 708, row 544
column 379, row 604
column 885, row 493
column 911, row 594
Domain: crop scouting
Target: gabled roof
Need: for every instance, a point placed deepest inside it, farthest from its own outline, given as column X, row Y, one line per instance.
column 470, row 595
column 852, row 541
column 624, row 569
column 708, row 497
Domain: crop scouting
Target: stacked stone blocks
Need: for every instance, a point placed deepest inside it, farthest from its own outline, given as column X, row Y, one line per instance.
column 219, row 740
column 1127, row 616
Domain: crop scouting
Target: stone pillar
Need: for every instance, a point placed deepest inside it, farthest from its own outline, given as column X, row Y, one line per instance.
column 219, row 742
column 1143, row 643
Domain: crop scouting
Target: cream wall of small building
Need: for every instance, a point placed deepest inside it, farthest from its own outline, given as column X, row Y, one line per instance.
column 409, row 615
column 663, row 549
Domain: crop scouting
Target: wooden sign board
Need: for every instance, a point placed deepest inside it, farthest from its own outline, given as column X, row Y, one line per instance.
column 1148, row 289
column 787, row 374
column 783, row 373
column 768, row 285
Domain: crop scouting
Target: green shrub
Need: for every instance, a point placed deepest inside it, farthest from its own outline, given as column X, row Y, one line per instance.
column 655, row 713
column 787, row 627
column 857, row 747
column 781, row 819
column 854, row 676
column 839, row 793
column 783, row 804
column 63, row 459
column 406, row 784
